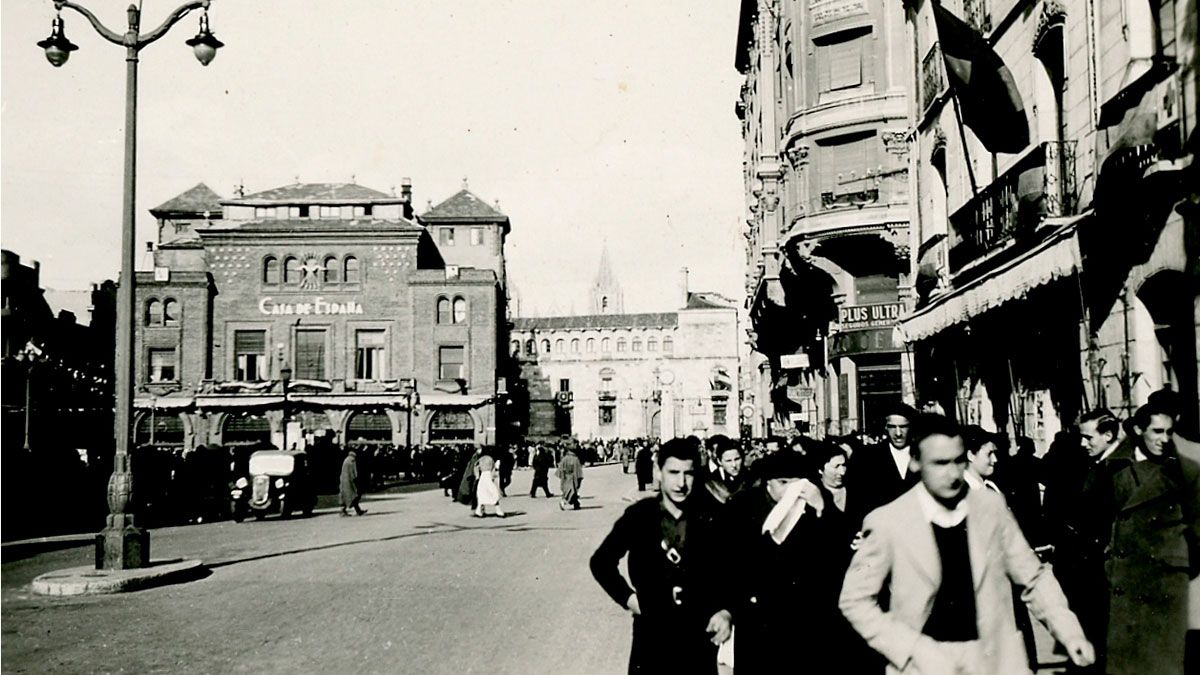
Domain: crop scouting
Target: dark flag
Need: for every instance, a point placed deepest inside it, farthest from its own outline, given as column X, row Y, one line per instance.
column 986, row 92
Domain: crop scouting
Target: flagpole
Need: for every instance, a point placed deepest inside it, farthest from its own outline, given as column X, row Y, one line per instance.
column 962, row 134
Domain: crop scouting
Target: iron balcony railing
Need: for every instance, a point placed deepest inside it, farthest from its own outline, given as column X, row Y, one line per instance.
column 1039, row 186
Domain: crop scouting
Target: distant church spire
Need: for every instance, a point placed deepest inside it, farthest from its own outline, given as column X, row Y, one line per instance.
column 607, row 297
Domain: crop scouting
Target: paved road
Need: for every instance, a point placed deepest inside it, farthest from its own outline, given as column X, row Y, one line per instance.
column 415, row 586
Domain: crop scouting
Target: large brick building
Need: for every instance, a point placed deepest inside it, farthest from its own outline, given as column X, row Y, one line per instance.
column 391, row 324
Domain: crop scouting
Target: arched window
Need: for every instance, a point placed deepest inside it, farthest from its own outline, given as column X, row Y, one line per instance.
column 331, row 271
column 637, row 344
column 515, row 348
column 605, row 345
column 460, row 310
column 545, row 346
column 351, row 270
column 591, row 345
column 443, row 310
column 668, row 344
column 575, row 346
column 560, row 345
column 291, row 270
column 270, row 272
column 651, row 345
column 170, row 313
column 620, row 344
column 154, row 313
column 530, row 349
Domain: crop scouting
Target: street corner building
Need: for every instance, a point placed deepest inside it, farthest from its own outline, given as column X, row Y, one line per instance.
column 614, row 375
column 323, row 314
column 988, row 204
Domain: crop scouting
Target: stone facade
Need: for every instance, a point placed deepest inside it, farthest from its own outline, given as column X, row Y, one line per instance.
column 340, row 291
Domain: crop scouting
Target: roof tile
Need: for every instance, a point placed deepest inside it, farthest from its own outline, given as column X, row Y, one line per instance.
column 463, row 205
column 198, row 199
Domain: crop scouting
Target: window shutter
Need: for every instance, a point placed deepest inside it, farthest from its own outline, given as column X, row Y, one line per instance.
column 845, row 64
column 310, row 355
column 250, row 342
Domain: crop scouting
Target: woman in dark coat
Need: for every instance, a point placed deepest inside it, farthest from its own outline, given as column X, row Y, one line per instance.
column 644, row 467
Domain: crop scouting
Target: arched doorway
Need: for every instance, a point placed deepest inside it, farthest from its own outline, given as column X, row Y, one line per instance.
column 1167, row 356
column 656, row 424
column 160, row 430
column 370, row 428
column 246, row 429
column 451, row 425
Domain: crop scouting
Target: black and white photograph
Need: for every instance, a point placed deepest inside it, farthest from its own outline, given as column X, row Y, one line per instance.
column 607, row 336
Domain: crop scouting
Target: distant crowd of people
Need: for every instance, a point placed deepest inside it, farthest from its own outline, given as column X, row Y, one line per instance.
column 929, row 552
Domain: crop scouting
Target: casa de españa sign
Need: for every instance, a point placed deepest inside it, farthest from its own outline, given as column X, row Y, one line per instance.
column 317, row 306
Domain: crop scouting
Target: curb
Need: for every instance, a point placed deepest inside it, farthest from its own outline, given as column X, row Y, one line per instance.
column 91, row 581
column 27, row 548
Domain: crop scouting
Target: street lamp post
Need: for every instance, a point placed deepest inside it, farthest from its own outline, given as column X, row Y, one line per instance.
column 123, row 545
column 28, row 356
column 414, row 398
column 285, row 377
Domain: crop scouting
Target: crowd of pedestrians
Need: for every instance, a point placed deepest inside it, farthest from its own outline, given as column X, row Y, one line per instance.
column 931, row 551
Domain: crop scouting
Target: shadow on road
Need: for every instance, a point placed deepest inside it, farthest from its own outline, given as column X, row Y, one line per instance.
column 423, row 530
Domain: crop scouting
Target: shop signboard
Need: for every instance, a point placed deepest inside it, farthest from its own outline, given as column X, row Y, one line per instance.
column 866, row 341
column 865, row 317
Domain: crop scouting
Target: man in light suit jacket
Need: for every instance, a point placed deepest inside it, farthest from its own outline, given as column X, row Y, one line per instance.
column 949, row 555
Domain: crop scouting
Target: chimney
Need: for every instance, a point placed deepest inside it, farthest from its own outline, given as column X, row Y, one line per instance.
column 239, row 191
column 683, row 286
column 406, row 197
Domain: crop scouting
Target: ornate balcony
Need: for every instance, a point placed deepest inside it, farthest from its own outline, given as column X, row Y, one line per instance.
column 978, row 15
column 933, row 76
column 1039, row 186
column 859, row 198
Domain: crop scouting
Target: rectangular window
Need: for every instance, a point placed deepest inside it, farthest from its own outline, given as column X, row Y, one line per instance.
column 719, row 414
column 451, row 363
column 250, row 355
column 564, row 385
column 310, row 355
column 477, row 236
column 264, row 212
column 840, row 64
column 446, row 236
column 845, row 168
column 331, row 212
column 162, row 365
column 608, row 413
column 369, row 354
column 182, row 228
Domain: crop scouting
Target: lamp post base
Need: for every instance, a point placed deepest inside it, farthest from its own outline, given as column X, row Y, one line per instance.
column 122, row 545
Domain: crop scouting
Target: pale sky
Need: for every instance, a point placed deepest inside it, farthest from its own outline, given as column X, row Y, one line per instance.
column 590, row 121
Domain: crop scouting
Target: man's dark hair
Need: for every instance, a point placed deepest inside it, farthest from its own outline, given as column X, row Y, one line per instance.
column 975, row 437
column 1106, row 422
column 901, row 410
column 928, row 425
column 718, row 443
column 1141, row 418
column 683, row 449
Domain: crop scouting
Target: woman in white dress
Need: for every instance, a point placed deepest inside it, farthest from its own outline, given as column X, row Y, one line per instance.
column 487, row 487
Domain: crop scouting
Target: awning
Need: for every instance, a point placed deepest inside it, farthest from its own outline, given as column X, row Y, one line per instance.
column 1056, row 257
column 437, row 398
column 235, row 401
column 163, row 403
column 350, row 400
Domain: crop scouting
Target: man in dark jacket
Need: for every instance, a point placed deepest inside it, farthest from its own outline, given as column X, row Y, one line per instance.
column 1153, row 502
column 543, row 461
column 880, row 473
column 678, row 618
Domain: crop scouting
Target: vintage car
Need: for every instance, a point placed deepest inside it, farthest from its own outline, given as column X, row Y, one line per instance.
column 278, row 481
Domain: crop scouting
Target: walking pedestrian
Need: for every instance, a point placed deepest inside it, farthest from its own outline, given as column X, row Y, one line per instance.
column 672, row 590
column 1152, row 502
column 570, row 477
column 487, row 486
column 542, row 463
column 348, row 484
column 948, row 554
column 643, row 466
column 880, row 473
column 466, row 486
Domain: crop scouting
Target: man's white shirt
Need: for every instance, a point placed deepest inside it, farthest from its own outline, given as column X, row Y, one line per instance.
column 938, row 514
column 901, row 457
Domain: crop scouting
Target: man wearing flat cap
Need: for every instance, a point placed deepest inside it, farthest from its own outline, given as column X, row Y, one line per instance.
column 880, row 473
column 672, row 591
column 778, row 547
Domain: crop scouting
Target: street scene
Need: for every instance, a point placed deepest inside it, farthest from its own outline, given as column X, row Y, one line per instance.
column 823, row 336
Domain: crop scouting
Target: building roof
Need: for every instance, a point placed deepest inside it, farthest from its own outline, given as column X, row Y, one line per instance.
column 196, row 200
column 317, row 193
column 708, row 300
column 77, row 302
column 598, row 321
column 464, row 205
column 310, row 225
